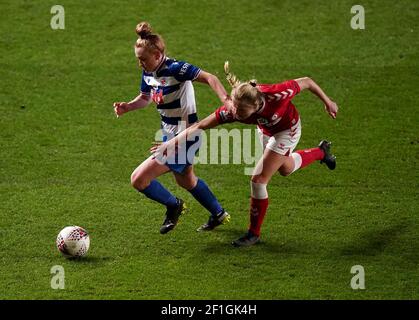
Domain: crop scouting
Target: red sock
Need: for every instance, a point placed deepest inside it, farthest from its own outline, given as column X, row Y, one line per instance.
column 310, row 155
column 258, row 209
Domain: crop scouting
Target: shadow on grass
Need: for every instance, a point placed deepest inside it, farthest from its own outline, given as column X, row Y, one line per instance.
column 223, row 244
column 373, row 242
column 91, row 260
column 370, row 243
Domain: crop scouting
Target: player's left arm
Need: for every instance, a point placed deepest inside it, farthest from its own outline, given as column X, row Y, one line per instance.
column 216, row 86
column 308, row 83
column 167, row 148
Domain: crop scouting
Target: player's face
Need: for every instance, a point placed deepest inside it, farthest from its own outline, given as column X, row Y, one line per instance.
column 148, row 59
column 241, row 111
column 233, row 110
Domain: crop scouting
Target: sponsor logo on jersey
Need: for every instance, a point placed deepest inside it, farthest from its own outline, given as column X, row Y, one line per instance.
column 269, row 123
column 184, row 69
column 224, row 115
column 262, row 121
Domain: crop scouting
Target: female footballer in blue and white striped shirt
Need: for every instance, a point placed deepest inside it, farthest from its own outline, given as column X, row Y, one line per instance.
column 168, row 83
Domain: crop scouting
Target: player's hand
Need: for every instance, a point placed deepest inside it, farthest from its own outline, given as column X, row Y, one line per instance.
column 163, row 150
column 120, row 108
column 155, row 147
column 159, row 151
column 331, row 108
column 228, row 103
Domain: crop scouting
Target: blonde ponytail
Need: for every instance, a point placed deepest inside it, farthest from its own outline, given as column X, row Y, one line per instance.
column 231, row 78
column 246, row 95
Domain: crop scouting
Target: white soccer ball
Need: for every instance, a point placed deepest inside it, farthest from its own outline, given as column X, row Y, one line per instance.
column 73, row 242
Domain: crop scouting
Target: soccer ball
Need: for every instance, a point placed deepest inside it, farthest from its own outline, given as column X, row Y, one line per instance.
column 73, row 242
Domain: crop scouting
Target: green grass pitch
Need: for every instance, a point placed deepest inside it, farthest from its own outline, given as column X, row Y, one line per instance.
column 66, row 160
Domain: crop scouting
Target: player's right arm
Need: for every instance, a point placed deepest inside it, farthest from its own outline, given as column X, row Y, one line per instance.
column 139, row 102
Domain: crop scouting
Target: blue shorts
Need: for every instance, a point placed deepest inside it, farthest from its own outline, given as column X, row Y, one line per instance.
column 184, row 156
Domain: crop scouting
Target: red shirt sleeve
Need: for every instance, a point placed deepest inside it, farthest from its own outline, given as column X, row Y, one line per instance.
column 223, row 115
column 284, row 90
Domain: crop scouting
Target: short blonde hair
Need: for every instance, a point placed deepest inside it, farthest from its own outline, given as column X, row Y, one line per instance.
column 246, row 95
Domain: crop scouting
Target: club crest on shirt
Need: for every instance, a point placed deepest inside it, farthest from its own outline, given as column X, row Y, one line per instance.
column 157, row 95
column 274, row 120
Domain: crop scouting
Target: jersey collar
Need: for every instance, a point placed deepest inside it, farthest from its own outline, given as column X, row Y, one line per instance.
column 163, row 60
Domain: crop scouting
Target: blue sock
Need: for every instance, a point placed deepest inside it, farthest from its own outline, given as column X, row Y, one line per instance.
column 203, row 194
column 155, row 191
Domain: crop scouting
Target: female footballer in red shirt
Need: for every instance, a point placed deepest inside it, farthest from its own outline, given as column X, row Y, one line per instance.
column 270, row 107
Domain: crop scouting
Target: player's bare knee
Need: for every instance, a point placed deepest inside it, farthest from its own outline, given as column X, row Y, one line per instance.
column 133, row 178
column 284, row 172
column 187, row 184
column 258, row 179
column 138, row 181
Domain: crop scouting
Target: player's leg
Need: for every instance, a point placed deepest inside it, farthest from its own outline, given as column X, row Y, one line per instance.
column 144, row 180
column 267, row 166
column 202, row 193
column 302, row 158
column 145, row 173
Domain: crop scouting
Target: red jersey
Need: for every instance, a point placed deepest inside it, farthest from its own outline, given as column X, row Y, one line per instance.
column 278, row 112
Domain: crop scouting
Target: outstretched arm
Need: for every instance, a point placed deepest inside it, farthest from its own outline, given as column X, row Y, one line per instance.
column 206, row 123
column 307, row 83
column 209, row 122
column 140, row 101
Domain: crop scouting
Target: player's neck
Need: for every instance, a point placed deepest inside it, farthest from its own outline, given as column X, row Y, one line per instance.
column 163, row 58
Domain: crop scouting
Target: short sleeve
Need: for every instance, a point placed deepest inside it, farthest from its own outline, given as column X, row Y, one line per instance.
column 144, row 87
column 223, row 115
column 284, row 90
column 183, row 71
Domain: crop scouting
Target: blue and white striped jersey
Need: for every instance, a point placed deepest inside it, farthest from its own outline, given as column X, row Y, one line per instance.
column 171, row 89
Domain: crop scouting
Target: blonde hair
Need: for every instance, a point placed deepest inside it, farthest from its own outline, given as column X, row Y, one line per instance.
column 246, row 96
column 147, row 39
